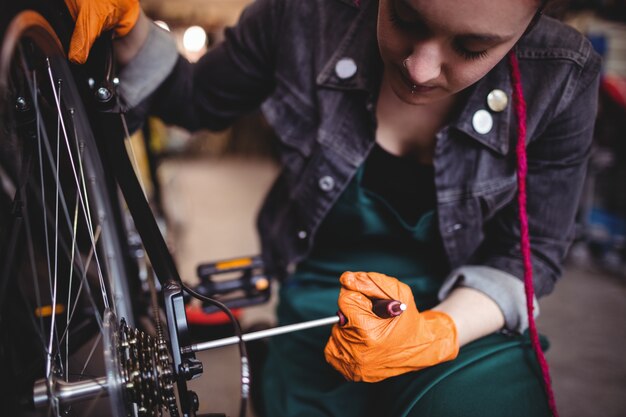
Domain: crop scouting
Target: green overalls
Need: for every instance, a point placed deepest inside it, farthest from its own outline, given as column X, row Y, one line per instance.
column 494, row 376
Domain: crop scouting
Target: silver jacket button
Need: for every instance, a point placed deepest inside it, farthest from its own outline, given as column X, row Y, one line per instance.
column 326, row 183
column 497, row 100
column 302, row 234
column 482, row 122
column 345, row 68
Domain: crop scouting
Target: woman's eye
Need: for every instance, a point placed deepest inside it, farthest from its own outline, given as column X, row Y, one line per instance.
column 469, row 54
column 399, row 22
column 413, row 25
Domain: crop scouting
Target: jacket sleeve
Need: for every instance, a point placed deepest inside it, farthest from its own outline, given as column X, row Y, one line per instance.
column 230, row 80
column 506, row 290
column 557, row 164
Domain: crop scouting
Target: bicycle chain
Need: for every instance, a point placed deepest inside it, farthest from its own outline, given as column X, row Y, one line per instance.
column 147, row 371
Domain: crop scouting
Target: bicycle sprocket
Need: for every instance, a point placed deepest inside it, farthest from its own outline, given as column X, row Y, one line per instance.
column 140, row 368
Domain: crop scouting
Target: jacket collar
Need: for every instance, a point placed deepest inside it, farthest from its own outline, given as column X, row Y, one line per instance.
column 497, row 139
column 360, row 45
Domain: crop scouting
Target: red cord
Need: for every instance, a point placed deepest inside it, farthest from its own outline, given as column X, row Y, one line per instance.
column 522, row 170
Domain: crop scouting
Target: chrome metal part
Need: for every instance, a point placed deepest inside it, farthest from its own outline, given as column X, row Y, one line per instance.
column 67, row 392
column 21, row 104
column 261, row 334
column 103, row 94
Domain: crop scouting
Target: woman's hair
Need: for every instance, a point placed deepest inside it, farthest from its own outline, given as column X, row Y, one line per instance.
column 556, row 8
column 538, row 13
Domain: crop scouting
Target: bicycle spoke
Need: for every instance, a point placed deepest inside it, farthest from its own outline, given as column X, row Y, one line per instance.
column 55, row 406
column 83, row 203
column 34, row 86
column 93, row 349
column 74, row 260
column 83, row 268
column 30, row 240
column 80, row 288
column 84, row 192
column 81, row 196
column 33, row 267
column 56, row 240
column 78, row 261
column 33, row 89
column 69, row 294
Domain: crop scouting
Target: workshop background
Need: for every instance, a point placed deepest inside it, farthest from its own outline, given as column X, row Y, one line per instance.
column 206, row 188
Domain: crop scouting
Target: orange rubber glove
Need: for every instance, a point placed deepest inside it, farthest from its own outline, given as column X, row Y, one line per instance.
column 93, row 17
column 369, row 348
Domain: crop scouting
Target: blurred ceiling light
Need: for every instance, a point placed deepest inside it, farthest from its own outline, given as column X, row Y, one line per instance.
column 194, row 39
column 162, row 25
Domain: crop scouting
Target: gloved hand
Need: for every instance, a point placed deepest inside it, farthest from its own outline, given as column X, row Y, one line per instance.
column 93, row 17
column 369, row 348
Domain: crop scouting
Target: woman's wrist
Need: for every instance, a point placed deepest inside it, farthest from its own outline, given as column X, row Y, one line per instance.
column 126, row 47
column 474, row 314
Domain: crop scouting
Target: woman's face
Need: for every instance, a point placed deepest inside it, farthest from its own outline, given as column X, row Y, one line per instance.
column 433, row 49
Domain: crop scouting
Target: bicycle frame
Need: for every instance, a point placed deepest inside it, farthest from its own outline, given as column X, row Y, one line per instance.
column 109, row 132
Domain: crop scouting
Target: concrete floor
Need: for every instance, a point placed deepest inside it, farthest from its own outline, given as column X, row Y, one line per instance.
column 212, row 204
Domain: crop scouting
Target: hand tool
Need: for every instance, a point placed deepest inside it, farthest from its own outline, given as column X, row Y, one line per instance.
column 382, row 308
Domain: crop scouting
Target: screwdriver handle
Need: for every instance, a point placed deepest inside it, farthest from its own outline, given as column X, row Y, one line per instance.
column 385, row 309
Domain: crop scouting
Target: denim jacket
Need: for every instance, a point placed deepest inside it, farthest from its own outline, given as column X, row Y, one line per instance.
column 283, row 55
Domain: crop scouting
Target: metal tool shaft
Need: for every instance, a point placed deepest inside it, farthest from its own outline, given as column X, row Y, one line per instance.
column 198, row 347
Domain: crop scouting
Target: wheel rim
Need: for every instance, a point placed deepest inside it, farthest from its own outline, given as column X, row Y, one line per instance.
column 60, row 259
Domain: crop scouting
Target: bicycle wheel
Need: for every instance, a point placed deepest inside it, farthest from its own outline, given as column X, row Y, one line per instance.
column 62, row 275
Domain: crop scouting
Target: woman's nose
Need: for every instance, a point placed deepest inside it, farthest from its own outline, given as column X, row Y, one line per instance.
column 424, row 63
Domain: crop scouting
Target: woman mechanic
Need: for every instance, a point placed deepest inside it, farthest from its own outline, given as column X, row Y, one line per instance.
column 398, row 123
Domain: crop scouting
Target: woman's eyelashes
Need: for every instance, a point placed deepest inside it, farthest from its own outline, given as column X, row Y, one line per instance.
column 417, row 28
column 413, row 25
column 467, row 54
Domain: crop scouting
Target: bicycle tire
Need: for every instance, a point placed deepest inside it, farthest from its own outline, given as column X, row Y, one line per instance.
column 59, row 246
